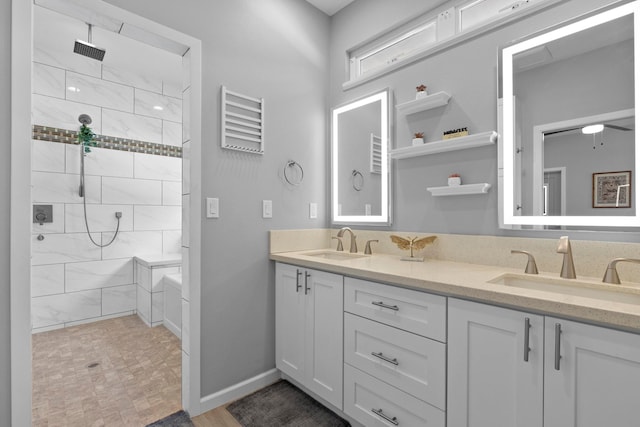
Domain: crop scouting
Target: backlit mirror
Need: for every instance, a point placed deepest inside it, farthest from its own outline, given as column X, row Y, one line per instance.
column 359, row 161
column 569, row 131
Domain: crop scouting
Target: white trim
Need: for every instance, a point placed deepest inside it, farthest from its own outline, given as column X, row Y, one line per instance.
column 236, row 391
column 563, row 187
column 21, row 59
column 20, row 245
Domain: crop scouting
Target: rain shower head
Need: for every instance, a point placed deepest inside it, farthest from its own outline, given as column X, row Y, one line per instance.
column 88, row 49
column 85, row 119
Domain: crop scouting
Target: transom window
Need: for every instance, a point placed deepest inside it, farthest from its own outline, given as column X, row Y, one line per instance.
column 416, row 38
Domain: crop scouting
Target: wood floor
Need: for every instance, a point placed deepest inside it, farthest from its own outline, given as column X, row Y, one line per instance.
column 218, row 417
column 136, row 380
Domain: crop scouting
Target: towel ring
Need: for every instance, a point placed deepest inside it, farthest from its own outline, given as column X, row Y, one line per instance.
column 293, row 164
column 358, row 180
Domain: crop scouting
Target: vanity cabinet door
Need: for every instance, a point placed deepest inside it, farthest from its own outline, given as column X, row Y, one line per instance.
column 323, row 334
column 595, row 381
column 309, row 306
column 290, row 327
column 489, row 381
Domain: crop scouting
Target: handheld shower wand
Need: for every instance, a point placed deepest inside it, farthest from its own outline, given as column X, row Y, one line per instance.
column 85, row 120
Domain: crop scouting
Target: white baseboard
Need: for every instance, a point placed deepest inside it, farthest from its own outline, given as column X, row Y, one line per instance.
column 236, row 391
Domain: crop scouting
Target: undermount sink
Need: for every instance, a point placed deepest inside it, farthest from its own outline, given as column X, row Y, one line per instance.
column 571, row 287
column 335, row 255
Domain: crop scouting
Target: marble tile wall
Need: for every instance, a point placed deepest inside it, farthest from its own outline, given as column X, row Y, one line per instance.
column 74, row 281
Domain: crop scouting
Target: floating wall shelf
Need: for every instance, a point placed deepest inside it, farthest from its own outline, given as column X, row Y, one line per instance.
column 453, row 144
column 460, row 190
column 438, row 99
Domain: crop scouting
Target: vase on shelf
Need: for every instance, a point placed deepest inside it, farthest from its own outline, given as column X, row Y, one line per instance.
column 417, row 141
column 421, row 94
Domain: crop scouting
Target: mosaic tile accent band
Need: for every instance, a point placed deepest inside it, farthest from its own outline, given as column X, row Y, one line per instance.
column 65, row 136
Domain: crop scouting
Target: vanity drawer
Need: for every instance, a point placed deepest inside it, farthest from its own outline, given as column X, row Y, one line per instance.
column 369, row 400
column 407, row 361
column 414, row 311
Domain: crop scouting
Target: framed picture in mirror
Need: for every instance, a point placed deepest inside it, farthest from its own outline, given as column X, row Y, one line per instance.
column 612, row 189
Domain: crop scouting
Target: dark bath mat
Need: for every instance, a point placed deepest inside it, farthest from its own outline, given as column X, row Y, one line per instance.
column 179, row 419
column 282, row 404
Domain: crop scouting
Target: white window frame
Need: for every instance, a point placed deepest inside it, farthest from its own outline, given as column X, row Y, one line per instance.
column 448, row 21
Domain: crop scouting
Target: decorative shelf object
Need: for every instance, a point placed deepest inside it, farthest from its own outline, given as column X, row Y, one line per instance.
column 242, row 122
column 461, row 143
column 435, row 100
column 460, row 190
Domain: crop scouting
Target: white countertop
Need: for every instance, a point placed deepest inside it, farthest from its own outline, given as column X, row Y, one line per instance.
column 471, row 281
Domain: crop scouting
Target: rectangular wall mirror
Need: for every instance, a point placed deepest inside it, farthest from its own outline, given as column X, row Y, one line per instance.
column 360, row 190
column 569, row 131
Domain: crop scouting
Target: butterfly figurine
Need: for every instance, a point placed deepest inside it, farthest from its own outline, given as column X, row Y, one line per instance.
column 411, row 244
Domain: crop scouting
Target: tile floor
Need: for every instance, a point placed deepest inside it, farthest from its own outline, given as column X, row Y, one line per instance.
column 137, row 379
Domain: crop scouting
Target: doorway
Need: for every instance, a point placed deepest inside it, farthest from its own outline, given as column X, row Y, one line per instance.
column 21, row 59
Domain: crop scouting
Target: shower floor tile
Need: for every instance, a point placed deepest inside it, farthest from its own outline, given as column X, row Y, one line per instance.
column 136, row 380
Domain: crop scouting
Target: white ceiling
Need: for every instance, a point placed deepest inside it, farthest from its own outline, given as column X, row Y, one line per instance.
column 330, row 7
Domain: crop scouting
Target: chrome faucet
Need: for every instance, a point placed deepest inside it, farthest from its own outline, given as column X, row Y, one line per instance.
column 611, row 275
column 354, row 246
column 568, row 271
column 531, row 267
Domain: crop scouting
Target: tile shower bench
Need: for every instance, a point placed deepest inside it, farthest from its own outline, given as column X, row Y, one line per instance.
column 149, row 272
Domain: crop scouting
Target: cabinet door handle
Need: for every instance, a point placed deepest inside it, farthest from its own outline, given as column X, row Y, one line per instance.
column 527, row 349
column 298, row 285
column 381, row 414
column 383, row 305
column 307, row 275
column 557, row 355
column 393, row 361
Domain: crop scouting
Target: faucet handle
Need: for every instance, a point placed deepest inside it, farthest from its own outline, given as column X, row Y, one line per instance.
column 611, row 274
column 339, row 248
column 367, row 248
column 531, row 267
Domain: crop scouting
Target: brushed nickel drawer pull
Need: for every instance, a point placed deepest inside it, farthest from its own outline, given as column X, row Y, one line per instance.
column 557, row 355
column 298, row 285
column 381, row 414
column 393, row 361
column 307, row 275
column 383, row 305
column 527, row 349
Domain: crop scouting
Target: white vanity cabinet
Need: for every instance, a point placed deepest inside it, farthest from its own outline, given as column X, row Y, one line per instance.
column 495, row 365
column 596, row 380
column 309, row 322
column 587, row 376
column 394, row 354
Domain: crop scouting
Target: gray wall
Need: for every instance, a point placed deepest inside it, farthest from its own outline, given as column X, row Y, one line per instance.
column 5, row 171
column 276, row 49
column 468, row 73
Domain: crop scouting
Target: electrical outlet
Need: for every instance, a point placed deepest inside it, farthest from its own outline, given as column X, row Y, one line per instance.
column 267, row 209
column 367, row 209
column 313, row 210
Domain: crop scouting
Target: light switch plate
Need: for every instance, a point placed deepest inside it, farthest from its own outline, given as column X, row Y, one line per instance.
column 313, row 210
column 213, row 207
column 267, row 209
